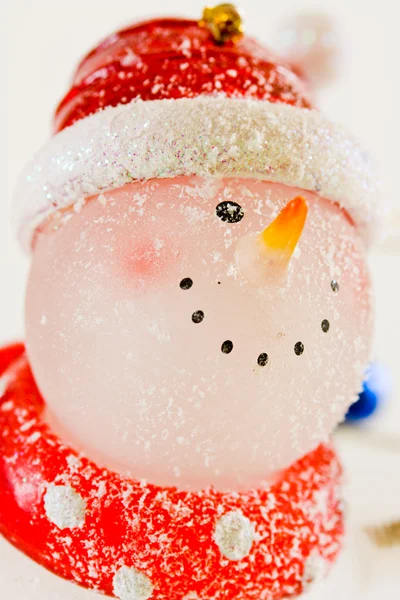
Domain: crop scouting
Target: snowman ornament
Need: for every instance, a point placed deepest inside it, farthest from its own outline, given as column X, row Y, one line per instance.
column 198, row 320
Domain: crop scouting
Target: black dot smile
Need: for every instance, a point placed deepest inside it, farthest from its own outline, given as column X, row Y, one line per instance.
column 186, row 283
column 198, row 316
column 325, row 325
column 298, row 348
column 262, row 359
column 227, row 347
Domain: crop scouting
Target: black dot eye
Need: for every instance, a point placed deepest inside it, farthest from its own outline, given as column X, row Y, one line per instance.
column 227, row 347
column 231, row 212
column 262, row 359
column 197, row 316
column 298, row 348
column 186, row 283
column 334, row 286
column 325, row 325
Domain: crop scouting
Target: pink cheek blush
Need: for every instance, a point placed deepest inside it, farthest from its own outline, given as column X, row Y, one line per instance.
column 144, row 265
column 159, row 355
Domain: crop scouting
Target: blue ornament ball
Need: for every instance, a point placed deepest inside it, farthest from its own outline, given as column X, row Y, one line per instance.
column 376, row 387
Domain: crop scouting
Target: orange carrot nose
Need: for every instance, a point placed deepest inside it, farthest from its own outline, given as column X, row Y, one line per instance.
column 264, row 258
column 283, row 234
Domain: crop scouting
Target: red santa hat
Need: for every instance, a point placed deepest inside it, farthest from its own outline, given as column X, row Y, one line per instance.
column 172, row 97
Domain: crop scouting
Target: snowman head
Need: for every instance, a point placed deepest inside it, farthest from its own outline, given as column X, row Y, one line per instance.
column 198, row 308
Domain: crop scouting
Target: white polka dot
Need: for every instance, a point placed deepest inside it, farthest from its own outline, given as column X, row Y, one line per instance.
column 64, row 506
column 315, row 569
column 131, row 584
column 234, row 535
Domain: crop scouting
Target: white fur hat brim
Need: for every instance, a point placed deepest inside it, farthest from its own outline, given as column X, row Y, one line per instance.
column 204, row 136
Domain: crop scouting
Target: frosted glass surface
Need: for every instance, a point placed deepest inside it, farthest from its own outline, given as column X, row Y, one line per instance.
column 149, row 343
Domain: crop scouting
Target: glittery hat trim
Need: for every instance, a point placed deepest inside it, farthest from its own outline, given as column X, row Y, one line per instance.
column 204, row 136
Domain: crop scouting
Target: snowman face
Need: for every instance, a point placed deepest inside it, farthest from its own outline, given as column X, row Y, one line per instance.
column 161, row 355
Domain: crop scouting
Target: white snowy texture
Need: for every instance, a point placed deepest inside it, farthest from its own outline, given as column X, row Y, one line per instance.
column 190, row 424
column 168, row 138
column 234, row 535
column 64, row 506
column 131, row 584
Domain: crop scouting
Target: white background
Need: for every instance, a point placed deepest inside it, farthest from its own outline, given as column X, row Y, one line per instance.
column 43, row 41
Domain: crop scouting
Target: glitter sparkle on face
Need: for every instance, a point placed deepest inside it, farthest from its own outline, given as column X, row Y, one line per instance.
column 191, row 337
